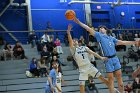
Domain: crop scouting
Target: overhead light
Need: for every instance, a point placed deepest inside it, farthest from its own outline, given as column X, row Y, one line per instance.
column 11, row 1
column 24, row 4
column 14, row 4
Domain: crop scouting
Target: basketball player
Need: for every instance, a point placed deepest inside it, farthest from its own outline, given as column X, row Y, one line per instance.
column 80, row 54
column 108, row 43
column 51, row 85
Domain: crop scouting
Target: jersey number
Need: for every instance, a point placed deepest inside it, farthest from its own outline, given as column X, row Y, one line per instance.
column 83, row 56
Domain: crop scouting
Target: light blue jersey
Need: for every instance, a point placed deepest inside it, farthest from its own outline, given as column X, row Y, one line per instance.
column 53, row 75
column 108, row 46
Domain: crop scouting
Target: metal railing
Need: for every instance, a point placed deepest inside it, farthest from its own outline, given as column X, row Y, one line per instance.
column 22, row 36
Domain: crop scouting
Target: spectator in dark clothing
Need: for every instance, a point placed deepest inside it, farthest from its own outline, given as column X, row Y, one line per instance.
column 45, row 53
column 128, row 88
column 132, row 54
column 33, row 67
column 136, row 85
column 51, row 45
column 90, row 85
column 33, row 39
column 19, row 51
column 43, row 69
column 55, row 53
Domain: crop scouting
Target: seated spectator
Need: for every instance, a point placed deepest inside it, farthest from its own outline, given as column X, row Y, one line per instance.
column 51, row 45
column 90, row 85
column 132, row 54
column 58, row 46
column 45, row 53
column 55, row 53
column 39, row 46
column 33, row 39
column 59, row 63
column 45, row 38
column 136, row 85
column 128, row 88
column 8, row 52
column 19, row 51
column 42, row 67
column 33, row 67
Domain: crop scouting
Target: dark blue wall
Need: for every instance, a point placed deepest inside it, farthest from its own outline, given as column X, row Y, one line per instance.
column 114, row 15
column 45, row 10
column 54, row 12
column 14, row 19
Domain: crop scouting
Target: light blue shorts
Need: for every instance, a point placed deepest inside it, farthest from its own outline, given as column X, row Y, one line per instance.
column 112, row 64
column 48, row 89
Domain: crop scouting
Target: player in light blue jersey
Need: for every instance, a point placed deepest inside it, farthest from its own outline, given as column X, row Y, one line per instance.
column 51, row 82
column 107, row 42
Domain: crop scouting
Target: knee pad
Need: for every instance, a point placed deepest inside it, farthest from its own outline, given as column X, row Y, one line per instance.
column 81, row 82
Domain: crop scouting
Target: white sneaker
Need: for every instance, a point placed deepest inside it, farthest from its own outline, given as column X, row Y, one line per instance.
column 117, row 91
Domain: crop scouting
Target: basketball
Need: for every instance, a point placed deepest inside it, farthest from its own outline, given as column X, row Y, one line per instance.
column 70, row 14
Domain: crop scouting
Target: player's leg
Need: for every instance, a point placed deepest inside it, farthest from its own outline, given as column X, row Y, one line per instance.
column 118, row 75
column 96, row 73
column 111, row 82
column 103, row 80
column 82, row 86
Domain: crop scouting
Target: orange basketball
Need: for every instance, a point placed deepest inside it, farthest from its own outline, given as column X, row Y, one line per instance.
column 70, row 14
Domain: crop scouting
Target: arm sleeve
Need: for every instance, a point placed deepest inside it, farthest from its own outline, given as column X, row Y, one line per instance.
column 115, row 40
column 51, row 74
column 98, row 36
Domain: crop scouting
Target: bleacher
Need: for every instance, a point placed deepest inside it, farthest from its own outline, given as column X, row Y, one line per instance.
column 14, row 80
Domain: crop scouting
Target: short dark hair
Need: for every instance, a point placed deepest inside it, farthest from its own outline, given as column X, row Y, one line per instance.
column 102, row 26
column 107, row 30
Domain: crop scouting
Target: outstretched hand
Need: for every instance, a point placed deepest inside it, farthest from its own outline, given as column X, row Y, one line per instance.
column 104, row 58
column 76, row 20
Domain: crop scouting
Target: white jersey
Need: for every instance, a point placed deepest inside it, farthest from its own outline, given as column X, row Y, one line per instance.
column 80, row 55
column 58, row 81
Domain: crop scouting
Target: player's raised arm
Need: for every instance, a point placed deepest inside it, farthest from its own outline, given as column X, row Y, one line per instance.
column 69, row 36
column 90, row 30
column 96, row 55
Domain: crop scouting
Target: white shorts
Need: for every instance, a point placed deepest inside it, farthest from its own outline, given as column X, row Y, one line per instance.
column 90, row 71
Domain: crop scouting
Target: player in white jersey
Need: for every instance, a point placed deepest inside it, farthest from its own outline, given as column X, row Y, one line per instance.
column 80, row 54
